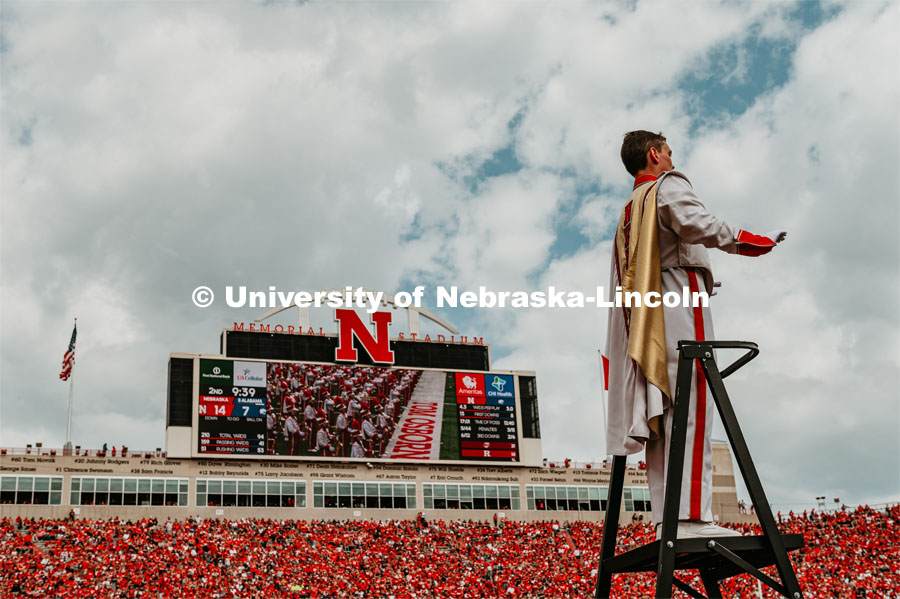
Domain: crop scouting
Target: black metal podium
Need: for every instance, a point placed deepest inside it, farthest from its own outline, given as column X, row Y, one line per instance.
column 716, row 558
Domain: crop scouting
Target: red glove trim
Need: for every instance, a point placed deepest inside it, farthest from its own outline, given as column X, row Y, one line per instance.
column 753, row 245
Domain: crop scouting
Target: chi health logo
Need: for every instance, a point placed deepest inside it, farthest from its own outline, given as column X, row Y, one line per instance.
column 498, row 384
column 469, row 382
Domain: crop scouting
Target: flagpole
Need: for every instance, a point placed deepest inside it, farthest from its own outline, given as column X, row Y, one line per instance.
column 68, row 445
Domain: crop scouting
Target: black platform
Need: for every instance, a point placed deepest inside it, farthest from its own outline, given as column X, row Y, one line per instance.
column 695, row 554
column 715, row 558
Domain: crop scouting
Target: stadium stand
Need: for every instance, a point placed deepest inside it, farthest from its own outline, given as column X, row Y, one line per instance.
column 848, row 554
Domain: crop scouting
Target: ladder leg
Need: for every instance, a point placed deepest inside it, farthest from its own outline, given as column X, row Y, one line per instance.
column 610, row 526
column 675, row 460
column 751, row 478
column 711, row 584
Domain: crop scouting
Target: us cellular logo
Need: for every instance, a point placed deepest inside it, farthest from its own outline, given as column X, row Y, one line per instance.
column 246, row 377
column 250, row 374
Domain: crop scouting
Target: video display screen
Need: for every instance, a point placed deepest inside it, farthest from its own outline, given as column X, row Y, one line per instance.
column 285, row 409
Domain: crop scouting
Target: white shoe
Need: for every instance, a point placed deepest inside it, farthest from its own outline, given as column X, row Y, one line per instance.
column 697, row 530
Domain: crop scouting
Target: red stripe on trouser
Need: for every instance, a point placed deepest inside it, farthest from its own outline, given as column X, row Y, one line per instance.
column 700, row 415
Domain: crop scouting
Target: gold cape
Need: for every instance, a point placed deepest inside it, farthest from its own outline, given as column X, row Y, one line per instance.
column 638, row 263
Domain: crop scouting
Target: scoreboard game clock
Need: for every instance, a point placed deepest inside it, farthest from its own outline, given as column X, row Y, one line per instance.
column 232, row 407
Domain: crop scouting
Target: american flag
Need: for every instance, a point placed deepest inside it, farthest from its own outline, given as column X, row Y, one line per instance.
column 69, row 359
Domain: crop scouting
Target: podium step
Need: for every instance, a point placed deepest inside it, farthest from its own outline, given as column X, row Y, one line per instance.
column 695, row 554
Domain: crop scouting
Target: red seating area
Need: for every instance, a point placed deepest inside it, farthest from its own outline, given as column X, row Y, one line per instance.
column 845, row 551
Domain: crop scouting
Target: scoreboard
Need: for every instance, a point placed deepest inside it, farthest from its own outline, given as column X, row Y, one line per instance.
column 486, row 409
column 232, row 407
column 255, row 408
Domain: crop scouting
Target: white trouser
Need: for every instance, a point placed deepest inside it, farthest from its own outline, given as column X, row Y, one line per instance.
column 696, row 482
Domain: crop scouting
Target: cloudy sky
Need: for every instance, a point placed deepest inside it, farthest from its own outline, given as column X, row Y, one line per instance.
column 148, row 148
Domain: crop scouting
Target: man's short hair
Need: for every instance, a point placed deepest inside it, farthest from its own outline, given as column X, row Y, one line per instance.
column 635, row 146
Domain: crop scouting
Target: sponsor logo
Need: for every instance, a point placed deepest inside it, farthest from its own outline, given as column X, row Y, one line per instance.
column 209, row 375
column 215, row 370
column 250, row 374
column 500, row 387
column 469, row 385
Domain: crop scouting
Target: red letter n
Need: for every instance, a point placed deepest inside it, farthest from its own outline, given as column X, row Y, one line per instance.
column 350, row 325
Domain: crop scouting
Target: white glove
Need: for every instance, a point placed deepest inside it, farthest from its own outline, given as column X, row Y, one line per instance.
column 776, row 236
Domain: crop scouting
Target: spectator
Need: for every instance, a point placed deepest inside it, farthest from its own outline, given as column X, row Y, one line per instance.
column 845, row 551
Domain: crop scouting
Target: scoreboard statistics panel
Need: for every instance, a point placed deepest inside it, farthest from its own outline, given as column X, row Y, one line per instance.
column 486, row 408
column 232, row 407
column 299, row 409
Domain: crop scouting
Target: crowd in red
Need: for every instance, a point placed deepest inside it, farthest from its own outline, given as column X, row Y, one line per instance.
column 845, row 551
